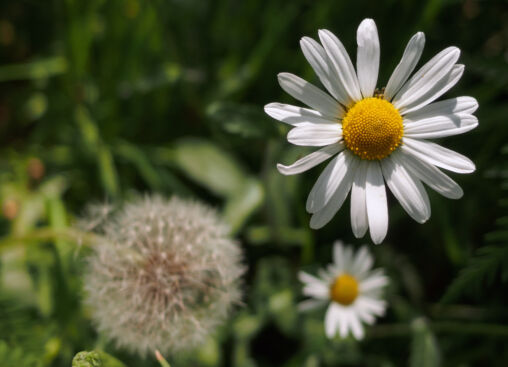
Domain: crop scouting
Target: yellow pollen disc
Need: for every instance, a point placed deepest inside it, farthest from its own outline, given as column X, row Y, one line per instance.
column 344, row 289
column 372, row 128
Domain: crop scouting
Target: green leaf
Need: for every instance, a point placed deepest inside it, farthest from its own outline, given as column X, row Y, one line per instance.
column 39, row 69
column 57, row 217
column 245, row 121
column 481, row 270
column 210, row 166
column 424, row 348
column 143, row 165
column 88, row 128
column 108, row 171
column 16, row 357
column 488, row 262
column 240, row 206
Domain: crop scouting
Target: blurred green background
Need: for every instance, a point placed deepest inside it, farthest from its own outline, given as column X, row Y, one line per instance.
column 100, row 100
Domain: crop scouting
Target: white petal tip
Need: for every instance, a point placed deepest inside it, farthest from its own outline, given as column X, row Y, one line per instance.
column 367, row 21
column 338, row 243
column 269, row 105
column 419, row 39
column 470, row 168
column 359, row 337
column 323, row 32
column 452, row 50
column 302, row 276
column 283, row 75
column 283, row 169
column 272, row 110
column 457, row 195
column 359, row 233
column 314, row 225
column 474, row 105
column 378, row 240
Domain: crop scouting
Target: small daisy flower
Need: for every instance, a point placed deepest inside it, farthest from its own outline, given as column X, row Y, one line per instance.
column 375, row 136
column 351, row 288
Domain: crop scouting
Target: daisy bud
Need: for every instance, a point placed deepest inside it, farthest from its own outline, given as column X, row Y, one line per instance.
column 163, row 276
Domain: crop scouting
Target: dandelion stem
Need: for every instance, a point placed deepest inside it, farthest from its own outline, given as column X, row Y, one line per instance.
column 161, row 359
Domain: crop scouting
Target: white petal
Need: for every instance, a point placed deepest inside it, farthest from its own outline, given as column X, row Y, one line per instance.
column 348, row 259
column 311, row 160
column 374, row 306
column 364, row 314
column 440, row 126
column 315, row 135
column 406, row 65
column 342, row 258
column 331, row 318
column 310, row 304
column 318, row 291
column 318, row 59
column 359, row 221
column 320, row 218
column 314, row 287
column 373, row 283
column 311, row 95
column 367, row 61
column 427, row 77
column 333, row 270
column 467, row 105
column 432, row 176
column 326, row 275
column 356, row 326
column 342, row 64
column 363, row 262
column 440, row 88
column 377, row 206
column 329, row 180
column 296, row 116
column 409, row 191
column 343, row 321
column 437, row 155
column 306, row 278
column 338, row 254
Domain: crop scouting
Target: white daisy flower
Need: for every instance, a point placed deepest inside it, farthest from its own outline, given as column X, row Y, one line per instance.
column 351, row 288
column 375, row 136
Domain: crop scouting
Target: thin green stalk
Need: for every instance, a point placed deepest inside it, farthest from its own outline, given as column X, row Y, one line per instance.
column 49, row 234
column 161, row 359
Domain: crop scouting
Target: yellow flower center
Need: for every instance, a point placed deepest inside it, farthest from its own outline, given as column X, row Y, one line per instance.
column 372, row 128
column 344, row 289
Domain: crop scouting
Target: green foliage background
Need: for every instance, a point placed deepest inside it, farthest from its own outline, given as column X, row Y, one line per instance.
column 100, row 100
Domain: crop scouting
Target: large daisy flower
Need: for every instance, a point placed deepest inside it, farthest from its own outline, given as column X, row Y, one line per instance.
column 351, row 288
column 375, row 136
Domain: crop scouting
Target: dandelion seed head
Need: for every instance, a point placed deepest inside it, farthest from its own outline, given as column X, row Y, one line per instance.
column 168, row 281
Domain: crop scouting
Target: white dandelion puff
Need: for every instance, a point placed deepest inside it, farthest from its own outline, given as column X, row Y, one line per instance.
column 164, row 275
column 350, row 288
column 375, row 137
